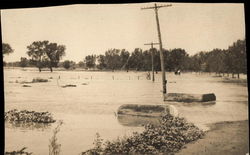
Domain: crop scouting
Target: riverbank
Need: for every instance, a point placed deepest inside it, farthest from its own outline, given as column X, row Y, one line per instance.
column 224, row 138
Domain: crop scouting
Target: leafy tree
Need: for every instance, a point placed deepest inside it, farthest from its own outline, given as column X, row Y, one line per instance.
column 6, row 49
column 54, row 53
column 24, row 62
column 101, row 62
column 237, row 55
column 37, row 53
column 81, row 64
column 45, row 54
column 113, row 59
column 135, row 62
column 124, row 59
column 68, row 64
column 177, row 58
column 90, row 61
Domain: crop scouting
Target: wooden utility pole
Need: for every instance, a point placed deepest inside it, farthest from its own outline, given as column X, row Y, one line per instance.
column 152, row 56
column 155, row 7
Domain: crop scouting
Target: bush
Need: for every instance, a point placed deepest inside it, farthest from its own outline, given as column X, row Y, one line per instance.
column 172, row 134
column 28, row 116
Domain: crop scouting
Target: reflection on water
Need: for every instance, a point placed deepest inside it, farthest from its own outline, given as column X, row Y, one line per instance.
column 136, row 121
column 28, row 126
column 91, row 108
column 191, row 104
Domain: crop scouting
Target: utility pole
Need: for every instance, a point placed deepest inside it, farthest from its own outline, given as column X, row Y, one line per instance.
column 155, row 7
column 152, row 56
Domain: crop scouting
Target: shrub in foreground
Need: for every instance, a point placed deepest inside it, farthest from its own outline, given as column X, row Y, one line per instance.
column 169, row 137
column 19, row 152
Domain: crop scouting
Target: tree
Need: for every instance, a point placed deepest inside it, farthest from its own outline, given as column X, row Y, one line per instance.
column 90, row 61
column 24, row 62
column 6, row 49
column 101, row 62
column 68, row 64
column 45, row 54
column 54, row 53
column 113, row 59
column 124, row 57
column 136, row 59
column 177, row 58
column 37, row 53
column 237, row 53
column 81, row 64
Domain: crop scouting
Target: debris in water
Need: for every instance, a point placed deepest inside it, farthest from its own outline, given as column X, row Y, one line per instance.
column 69, row 85
column 35, row 80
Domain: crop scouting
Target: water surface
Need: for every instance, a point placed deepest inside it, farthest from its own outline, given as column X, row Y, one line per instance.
column 91, row 106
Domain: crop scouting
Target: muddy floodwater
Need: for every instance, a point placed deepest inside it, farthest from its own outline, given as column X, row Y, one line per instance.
column 91, row 106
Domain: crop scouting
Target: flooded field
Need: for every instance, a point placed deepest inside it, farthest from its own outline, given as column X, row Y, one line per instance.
column 91, row 106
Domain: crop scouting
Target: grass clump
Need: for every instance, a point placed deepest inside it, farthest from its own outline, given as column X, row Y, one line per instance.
column 167, row 138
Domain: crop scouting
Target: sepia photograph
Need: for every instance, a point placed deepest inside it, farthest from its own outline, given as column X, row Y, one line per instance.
column 155, row 78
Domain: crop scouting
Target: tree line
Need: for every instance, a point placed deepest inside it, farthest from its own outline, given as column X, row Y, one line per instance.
column 43, row 54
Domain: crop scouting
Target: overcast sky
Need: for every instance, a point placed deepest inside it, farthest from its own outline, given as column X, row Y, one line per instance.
column 93, row 29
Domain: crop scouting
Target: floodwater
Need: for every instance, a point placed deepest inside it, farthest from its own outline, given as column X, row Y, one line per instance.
column 91, row 106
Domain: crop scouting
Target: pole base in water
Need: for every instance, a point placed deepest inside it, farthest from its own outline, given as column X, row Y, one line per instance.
column 182, row 97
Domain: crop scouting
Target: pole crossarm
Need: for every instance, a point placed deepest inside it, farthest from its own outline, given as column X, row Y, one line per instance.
column 156, row 7
column 152, row 44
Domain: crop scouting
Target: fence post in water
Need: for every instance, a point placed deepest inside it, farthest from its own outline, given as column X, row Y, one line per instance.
column 91, row 77
column 113, row 77
column 138, row 77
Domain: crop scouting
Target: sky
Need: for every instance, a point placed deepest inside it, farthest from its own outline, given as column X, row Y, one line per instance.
column 94, row 28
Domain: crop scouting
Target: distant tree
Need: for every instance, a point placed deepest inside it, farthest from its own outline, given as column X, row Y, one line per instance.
column 37, row 53
column 54, row 53
column 45, row 54
column 124, row 57
column 81, row 64
column 101, row 62
column 177, row 58
column 146, row 60
column 24, row 62
column 113, row 59
column 68, row 64
column 237, row 56
column 157, row 62
column 90, row 61
column 6, row 49
column 136, row 59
